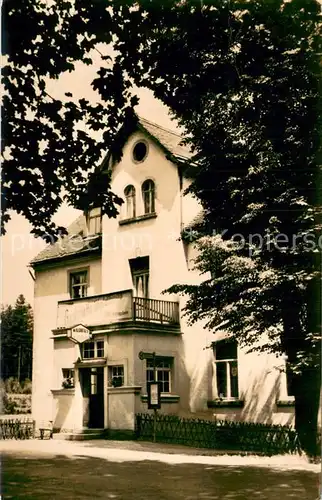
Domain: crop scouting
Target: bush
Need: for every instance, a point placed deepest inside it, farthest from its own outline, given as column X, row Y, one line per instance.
column 8, row 406
column 13, row 386
column 14, row 399
column 19, row 404
column 26, row 386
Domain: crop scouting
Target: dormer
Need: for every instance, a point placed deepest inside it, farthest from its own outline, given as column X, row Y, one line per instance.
column 94, row 221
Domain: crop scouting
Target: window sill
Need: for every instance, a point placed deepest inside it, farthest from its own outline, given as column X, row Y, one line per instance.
column 139, row 218
column 165, row 398
column 124, row 389
column 91, row 362
column 225, row 403
column 290, row 401
column 63, row 392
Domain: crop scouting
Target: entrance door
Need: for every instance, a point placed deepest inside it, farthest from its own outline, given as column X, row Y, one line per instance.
column 93, row 390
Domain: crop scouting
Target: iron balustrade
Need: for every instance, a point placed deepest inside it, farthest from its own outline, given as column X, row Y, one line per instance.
column 160, row 311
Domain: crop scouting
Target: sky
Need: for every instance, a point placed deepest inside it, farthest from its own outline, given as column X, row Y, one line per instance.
column 18, row 246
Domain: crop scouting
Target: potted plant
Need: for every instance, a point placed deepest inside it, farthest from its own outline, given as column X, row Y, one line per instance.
column 68, row 383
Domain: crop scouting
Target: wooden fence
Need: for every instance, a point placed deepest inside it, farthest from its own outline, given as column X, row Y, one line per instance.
column 17, row 428
column 219, row 434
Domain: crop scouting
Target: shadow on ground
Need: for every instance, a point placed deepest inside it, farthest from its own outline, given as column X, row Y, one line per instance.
column 80, row 477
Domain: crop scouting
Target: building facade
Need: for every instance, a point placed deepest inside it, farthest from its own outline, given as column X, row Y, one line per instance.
column 99, row 302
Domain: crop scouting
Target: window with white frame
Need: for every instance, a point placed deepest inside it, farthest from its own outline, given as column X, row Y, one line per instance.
column 148, row 194
column 130, row 204
column 163, row 372
column 116, row 376
column 78, row 284
column 95, row 221
column 226, row 368
column 93, row 349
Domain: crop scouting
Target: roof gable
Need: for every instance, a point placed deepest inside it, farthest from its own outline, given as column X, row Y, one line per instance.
column 169, row 141
column 76, row 243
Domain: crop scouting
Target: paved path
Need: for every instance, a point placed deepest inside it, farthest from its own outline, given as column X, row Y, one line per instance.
column 42, row 470
column 137, row 451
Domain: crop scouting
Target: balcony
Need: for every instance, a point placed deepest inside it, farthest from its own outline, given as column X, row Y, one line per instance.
column 159, row 311
column 114, row 308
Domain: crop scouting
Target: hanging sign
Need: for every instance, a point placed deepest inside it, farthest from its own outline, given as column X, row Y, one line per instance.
column 154, row 395
column 79, row 333
column 146, row 355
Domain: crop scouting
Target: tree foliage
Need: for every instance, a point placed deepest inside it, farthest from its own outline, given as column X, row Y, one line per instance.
column 16, row 340
column 243, row 80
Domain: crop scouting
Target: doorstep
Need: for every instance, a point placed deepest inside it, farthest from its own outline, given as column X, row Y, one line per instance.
column 81, row 434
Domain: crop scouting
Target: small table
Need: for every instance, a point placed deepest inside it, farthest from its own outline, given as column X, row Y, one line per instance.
column 46, row 428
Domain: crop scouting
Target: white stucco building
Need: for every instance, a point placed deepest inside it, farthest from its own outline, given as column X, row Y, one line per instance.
column 107, row 277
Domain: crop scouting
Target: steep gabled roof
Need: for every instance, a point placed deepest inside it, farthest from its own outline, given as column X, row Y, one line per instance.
column 74, row 244
column 168, row 140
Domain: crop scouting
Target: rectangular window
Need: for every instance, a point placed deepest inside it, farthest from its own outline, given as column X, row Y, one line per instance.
column 88, row 350
column 93, row 349
column 95, row 225
column 100, row 349
column 68, row 373
column 78, row 284
column 116, row 376
column 226, row 363
column 68, row 378
column 163, row 372
column 95, row 221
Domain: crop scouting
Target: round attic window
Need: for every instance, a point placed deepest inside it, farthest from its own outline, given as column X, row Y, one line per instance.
column 140, row 151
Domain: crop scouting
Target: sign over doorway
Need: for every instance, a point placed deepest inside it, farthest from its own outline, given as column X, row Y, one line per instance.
column 79, row 333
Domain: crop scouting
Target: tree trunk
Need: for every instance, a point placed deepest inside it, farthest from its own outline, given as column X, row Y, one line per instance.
column 307, row 385
column 307, row 405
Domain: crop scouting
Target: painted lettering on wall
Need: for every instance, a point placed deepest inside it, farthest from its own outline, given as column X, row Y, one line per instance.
column 100, row 311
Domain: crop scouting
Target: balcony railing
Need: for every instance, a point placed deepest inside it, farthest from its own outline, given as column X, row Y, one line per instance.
column 160, row 311
column 113, row 308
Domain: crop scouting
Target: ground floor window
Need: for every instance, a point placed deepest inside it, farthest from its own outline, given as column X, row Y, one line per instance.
column 68, row 378
column 164, row 368
column 226, row 367
column 116, row 376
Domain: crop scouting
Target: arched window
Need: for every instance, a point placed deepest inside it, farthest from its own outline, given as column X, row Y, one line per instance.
column 129, row 193
column 148, row 194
